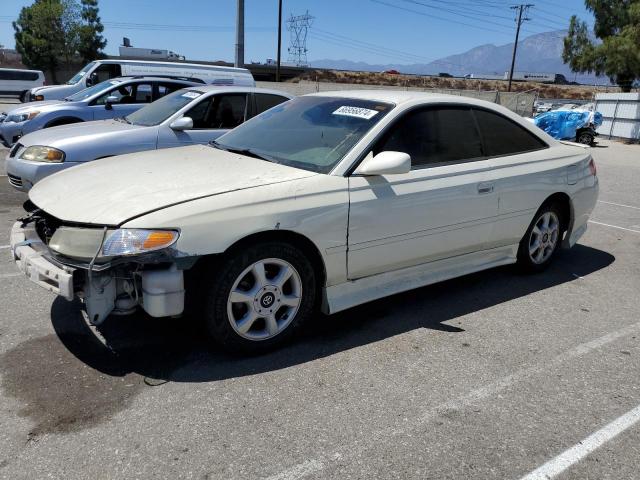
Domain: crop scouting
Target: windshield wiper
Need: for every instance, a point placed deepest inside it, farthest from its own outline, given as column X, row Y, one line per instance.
column 242, row 151
column 122, row 119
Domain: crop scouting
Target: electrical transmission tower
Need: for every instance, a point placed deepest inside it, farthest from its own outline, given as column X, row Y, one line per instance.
column 521, row 17
column 298, row 28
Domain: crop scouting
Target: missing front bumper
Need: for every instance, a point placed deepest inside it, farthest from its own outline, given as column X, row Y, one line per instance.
column 28, row 250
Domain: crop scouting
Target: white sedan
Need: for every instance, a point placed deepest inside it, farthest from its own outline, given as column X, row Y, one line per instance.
column 324, row 202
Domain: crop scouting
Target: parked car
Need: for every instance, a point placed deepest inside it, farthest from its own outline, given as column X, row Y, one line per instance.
column 326, row 201
column 110, row 99
column 102, row 70
column 191, row 115
column 18, row 82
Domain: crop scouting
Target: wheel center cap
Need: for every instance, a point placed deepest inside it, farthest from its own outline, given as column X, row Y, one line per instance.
column 267, row 300
column 545, row 237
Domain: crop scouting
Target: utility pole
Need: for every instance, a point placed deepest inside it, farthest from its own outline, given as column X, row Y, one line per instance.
column 279, row 40
column 239, row 60
column 522, row 9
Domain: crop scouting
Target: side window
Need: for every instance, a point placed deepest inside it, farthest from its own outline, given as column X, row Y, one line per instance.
column 434, row 136
column 105, row 72
column 165, row 88
column 199, row 113
column 503, row 137
column 123, row 94
column 264, row 101
column 143, row 94
column 220, row 111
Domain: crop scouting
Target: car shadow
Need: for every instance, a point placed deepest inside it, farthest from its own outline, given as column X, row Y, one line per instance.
column 177, row 349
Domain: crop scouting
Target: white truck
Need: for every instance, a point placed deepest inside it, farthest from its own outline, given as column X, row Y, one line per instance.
column 151, row 53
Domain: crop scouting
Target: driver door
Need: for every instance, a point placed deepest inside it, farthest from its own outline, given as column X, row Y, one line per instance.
column 444, row 207
column 128, row 98
column 211, row 117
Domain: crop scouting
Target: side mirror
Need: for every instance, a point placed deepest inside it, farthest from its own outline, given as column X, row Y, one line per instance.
column 385, row 163
column 108, row 105
column 182, row 123
column 91, row 80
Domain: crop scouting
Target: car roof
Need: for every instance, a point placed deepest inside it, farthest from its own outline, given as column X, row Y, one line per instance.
column 238, row 89
column 399, row 97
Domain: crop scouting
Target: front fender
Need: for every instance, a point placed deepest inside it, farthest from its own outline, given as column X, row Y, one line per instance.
column 315, row 207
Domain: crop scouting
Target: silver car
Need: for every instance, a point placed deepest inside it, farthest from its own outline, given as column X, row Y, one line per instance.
column 113, row 98
column 195, row 115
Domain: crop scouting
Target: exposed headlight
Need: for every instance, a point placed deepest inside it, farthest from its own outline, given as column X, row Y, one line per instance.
column 37, row 153
column 133, row 241
column 22, row 117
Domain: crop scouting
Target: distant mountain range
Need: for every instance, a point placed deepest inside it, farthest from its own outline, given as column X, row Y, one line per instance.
column 538, row 53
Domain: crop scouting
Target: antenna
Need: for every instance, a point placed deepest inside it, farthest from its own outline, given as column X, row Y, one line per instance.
column 298, row 27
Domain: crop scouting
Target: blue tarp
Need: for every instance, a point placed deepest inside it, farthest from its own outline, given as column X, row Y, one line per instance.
column 563, row 124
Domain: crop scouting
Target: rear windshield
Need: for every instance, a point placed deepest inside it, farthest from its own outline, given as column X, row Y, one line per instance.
column 157, row 112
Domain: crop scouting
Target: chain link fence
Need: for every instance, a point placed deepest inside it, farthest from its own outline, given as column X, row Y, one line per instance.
column 519, row 102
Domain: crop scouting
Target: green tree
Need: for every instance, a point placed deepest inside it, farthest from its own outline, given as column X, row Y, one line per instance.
column 617, row 54
column 51, row 32
column 91, row 41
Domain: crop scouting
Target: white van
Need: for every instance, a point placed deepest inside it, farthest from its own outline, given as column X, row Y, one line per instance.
column 101, row 70
column 15, row 81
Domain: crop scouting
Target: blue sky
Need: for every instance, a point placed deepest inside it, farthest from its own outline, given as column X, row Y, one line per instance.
column 373, row 31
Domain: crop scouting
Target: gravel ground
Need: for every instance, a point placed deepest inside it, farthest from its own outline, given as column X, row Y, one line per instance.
column 487, row 376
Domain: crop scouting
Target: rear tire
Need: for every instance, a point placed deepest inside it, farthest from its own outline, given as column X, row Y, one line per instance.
column 258, row 296
column 540, row 243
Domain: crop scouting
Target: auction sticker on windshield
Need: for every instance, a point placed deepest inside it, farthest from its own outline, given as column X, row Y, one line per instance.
column 357, row 112
column 191, row 94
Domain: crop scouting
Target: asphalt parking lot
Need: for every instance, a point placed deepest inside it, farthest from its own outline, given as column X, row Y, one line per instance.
column 492, row 376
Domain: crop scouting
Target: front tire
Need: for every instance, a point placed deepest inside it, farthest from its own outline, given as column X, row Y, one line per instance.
column 259, row 296
column 540, row 243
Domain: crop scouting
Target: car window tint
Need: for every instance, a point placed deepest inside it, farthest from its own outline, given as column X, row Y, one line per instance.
column 504, row 137
column 143, row 94
column 228, row 111
column 219, row 112
column 122, row 94
column 434, row 136
column 264, row 101
column 105, row 72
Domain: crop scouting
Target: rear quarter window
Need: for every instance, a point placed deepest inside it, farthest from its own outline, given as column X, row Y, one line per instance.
column 502, row 136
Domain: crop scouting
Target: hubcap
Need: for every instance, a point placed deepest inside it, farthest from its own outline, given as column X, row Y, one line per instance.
column 544, row 237
column 264, row 299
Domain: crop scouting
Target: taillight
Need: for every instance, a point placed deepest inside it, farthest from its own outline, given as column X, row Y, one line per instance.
column 592, row 167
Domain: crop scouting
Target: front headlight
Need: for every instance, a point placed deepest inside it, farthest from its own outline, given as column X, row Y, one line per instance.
column 37, row 153
column 133, row 241
column 22, row 117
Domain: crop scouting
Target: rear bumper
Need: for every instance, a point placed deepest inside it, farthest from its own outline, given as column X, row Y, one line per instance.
column 28, row 250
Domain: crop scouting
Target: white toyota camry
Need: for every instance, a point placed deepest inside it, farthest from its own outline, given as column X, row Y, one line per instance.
column 324, row 202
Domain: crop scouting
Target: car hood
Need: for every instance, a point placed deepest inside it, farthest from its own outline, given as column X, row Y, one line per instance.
column 42, row 105
column 65, row 136
column 114, row 190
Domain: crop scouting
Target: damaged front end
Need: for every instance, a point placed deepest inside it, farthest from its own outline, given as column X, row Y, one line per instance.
column 112, row 270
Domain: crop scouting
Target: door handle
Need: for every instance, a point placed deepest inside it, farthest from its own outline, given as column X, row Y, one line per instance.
column 485, row 188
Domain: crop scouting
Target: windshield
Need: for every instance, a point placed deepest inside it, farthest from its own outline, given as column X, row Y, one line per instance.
column 312, row 133
column 157, row 112
column 80, row 75
column 91, row 91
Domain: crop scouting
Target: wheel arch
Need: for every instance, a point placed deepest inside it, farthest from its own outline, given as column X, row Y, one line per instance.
column 296, row 239
column 62, row 121
column 563, row 201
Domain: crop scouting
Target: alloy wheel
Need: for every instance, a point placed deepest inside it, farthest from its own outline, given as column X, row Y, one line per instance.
column 264, row 299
